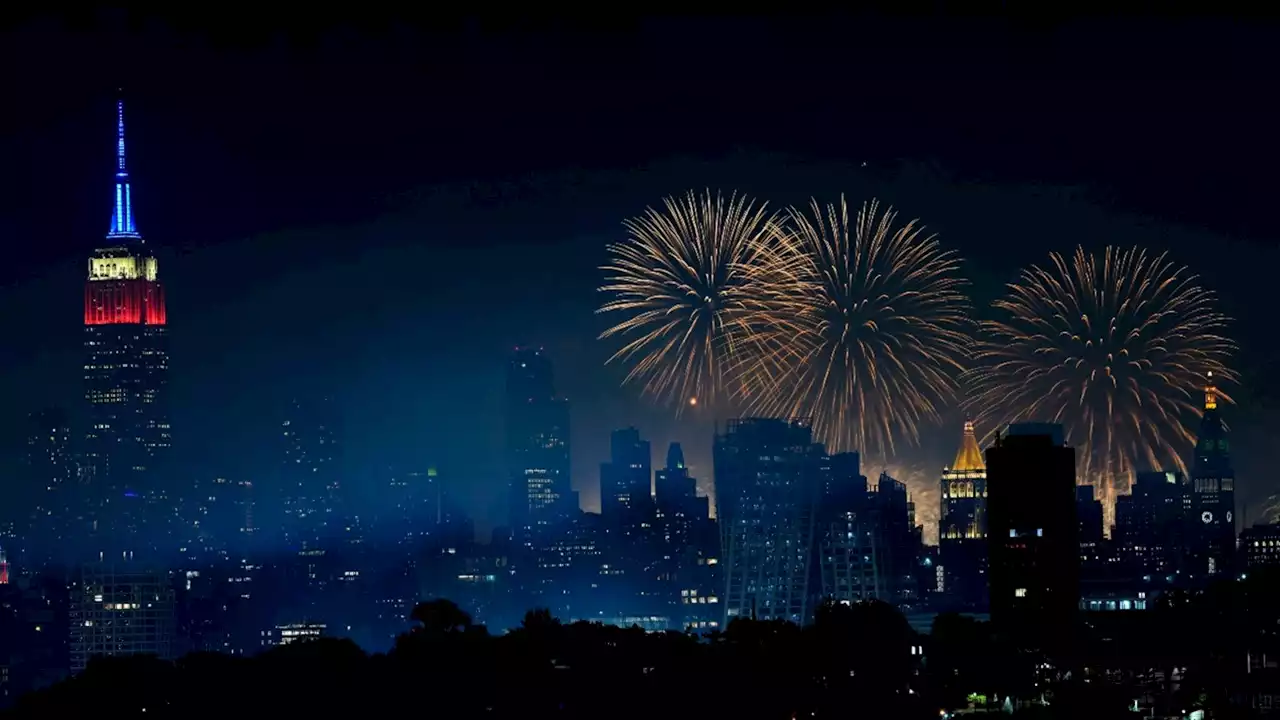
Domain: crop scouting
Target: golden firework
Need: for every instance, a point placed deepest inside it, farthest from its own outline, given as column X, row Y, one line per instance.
column 1115, row 347
column 863, row 329
column 683, row 285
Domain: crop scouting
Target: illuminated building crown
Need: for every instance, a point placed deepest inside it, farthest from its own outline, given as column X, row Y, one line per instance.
column 970, row 457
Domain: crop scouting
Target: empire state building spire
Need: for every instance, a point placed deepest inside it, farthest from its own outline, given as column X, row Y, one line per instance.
column 122, row 224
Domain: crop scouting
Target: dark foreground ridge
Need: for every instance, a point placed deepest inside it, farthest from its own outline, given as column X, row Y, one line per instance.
column 863, row 660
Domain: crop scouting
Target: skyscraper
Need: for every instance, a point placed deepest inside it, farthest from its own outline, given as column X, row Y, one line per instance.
column 898, row 541
column 537, row 446
column 1212, row 537
column 846, row 533
column 626, row 480
column 688, row 547
column 50, row 474
column 1150, row 522
column 1033, row 533
column 120, row 610
column 962, row 525
column 311, row 479
column 676, row 492
column 126, row 374
column 768, row 478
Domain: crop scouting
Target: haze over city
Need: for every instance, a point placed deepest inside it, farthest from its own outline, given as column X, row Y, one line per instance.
column 409, row 256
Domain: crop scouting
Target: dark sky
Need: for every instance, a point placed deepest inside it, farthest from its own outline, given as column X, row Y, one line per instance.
column 381, row 210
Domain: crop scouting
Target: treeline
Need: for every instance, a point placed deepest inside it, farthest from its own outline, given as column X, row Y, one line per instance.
column 862, row 660
column 851, row 660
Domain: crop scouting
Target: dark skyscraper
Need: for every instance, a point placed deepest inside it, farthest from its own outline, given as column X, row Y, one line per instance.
column 126, row 374
column 675, row 491
column 689, row 546
column 846, row 534
column 537, row 439
column 1212, row 536
column 1033, row 536
column 626, row 480
column 1150, row 521
column 50, row 475
column 311, row 476
column 768, row 479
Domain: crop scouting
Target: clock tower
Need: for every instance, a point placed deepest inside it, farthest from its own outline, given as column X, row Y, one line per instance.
column 1212, row 540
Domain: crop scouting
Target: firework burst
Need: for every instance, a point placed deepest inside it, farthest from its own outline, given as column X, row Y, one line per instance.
column 1115, row 347
column 683, row 286
column 863, row 330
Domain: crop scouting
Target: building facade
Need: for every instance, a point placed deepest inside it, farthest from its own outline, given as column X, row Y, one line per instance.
column 1032, row 532
column 1211, row 536
column 768, row 475
column 312, row 499
column 120, row 609
column 126, row 503
column 537, row 447
column 51, row 477
column 962, row 525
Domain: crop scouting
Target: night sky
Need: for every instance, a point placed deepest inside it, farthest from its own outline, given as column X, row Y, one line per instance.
column 380, row 212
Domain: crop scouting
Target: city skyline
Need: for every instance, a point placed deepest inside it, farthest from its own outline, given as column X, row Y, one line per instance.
column 561, row 358
column 379, row 375
column 693, row 434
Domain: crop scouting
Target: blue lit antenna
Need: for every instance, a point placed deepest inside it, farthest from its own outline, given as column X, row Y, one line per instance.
column 122, row 225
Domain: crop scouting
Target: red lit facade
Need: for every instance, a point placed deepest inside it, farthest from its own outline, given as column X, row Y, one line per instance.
column 113, row 302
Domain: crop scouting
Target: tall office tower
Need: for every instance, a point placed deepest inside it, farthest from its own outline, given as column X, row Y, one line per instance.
column 962, row 526
column 626, row 481
column 629, row 530
column 236, row 521
column 1094, row 552
column 675, row 491
column 418, row 504
column 120, row 609
column 126, row 375
column 1089, row 510
column 848, row 550
column 51, row 476
column 688, row 545
column 311, row 482
column 1033, row 535
column 537, row 447
column 1211, row 540
column 1151, row 523
column 768, row 478
column 898, row 541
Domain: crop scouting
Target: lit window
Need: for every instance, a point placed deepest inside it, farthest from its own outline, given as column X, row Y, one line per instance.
column 1020, row 592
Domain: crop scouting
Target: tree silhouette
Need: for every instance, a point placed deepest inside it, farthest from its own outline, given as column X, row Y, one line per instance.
column 439, row 616
column 859, row 660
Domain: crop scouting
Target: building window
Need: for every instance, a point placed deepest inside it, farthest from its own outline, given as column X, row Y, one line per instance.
column 1020, row 592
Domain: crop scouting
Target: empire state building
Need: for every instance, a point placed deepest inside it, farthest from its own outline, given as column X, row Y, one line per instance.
column 126, row 374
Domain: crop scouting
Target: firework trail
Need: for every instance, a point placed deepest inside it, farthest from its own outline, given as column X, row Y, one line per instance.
column 682, row 288
column 863, row 330
column 1115, row 347
column 1270, row 510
